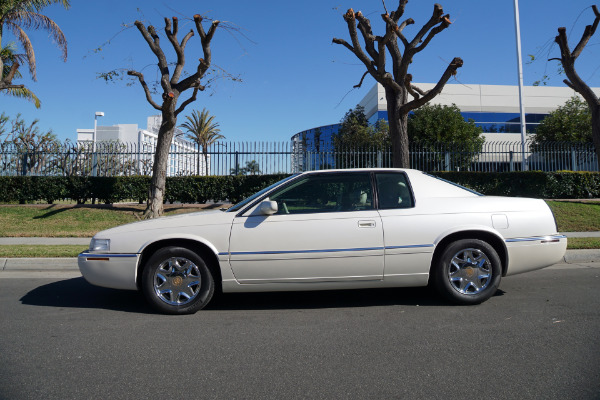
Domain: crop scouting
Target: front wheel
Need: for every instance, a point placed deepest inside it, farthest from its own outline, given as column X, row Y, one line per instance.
column 176, row 280
column 468, row 272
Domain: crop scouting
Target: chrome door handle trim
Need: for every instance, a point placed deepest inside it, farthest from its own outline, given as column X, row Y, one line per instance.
column 366, row 224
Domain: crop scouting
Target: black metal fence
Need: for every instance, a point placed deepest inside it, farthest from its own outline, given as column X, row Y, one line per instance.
column 227, row 158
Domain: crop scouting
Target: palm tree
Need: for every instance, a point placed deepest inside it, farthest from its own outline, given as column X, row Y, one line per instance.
column 7, row 54
column 17, row 16
column 203, row 130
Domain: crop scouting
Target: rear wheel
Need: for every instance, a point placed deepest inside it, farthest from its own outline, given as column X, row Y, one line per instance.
column 468, row 272
column 176, row 280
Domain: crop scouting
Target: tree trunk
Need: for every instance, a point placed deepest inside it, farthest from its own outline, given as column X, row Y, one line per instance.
column 205, row 153
column 398, row 125
column 154, row 208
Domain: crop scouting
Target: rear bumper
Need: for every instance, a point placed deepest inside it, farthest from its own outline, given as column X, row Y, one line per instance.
column 117, row 271
column 529, row 254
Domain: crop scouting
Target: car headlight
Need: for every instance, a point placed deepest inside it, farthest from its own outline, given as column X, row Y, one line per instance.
column 100, row 244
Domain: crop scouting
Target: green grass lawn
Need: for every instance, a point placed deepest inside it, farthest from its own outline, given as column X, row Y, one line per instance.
column 71, row 220
column 583, row 243
column 576, row 216
column 27, row 251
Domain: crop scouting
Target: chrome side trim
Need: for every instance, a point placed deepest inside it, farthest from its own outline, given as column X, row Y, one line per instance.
column 412, row 246
column 106, row 255
column 245, row 253
column 536, row 238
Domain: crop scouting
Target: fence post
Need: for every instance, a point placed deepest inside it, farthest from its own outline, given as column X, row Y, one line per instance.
column 379, row 159
column 24, row 164
column 447, row 161
column 237, row 162
column 94, row 163
column 511, row 159
column 573, row 160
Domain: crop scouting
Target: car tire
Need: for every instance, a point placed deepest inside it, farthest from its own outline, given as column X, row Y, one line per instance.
column 176, row 280
column 467, row 272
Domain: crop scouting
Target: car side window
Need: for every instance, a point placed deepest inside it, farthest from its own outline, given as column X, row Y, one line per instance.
column 325, row 193
column 393, row 191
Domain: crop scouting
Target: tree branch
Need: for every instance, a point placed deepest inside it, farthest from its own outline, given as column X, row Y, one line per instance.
column 140, row 77
column 377, row 73
column 569, row 84
column 179, row 48
column 153, row 41
column 430, row 94
column 436, row 18
column 361, row 80
column 188, row 101
column 364, row 25
column 587, row 34
column 567, row 59
column 396, row 15
column 443, row 25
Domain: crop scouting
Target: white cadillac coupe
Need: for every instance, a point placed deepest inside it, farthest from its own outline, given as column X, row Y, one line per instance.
column 337, row 229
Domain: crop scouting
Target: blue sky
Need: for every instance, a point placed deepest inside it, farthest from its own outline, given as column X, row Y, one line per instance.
column 293, row 77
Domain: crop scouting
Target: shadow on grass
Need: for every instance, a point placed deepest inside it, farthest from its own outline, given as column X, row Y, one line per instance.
column 138, row 209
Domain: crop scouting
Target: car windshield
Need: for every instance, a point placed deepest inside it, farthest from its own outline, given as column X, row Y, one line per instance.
column 256, row 195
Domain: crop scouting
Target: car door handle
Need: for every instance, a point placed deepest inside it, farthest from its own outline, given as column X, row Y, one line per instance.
column 366, row 224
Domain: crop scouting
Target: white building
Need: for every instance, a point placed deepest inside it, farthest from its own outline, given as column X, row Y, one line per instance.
column 184, row 158
column 493, row 107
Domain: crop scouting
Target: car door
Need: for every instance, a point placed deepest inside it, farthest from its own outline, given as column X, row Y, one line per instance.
column 408, row 233
column 326, row 229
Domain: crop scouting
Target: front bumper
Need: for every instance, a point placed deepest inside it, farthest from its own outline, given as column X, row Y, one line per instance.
column 117, row 271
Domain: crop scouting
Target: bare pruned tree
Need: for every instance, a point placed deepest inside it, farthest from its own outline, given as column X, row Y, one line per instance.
column 567, row 59
column 172, row 86
column 397, row 83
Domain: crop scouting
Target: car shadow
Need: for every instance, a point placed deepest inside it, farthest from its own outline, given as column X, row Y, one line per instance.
column 78, row 293
column 351, row 298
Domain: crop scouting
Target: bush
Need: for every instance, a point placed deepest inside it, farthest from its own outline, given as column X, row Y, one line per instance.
column 200, row 189
column 546, row 185
column 183, row 189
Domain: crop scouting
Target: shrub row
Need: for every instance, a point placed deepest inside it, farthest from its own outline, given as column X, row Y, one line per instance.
column 199, row 189
column 545, row 185
column 184, row 189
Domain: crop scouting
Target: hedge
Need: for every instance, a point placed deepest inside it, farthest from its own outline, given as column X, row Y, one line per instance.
column 184, row 189
column 200, row 189
column 545, row 185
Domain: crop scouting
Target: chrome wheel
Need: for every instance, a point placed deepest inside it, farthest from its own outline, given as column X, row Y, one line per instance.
column 177, row 281
column 467, row 271
column 470, row 271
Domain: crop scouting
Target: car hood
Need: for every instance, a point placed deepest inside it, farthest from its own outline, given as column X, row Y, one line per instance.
column 196, row 219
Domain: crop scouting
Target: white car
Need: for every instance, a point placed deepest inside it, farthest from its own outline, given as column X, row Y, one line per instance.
column 336, row 229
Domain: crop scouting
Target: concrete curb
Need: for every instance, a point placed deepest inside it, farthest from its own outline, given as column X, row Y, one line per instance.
column 38, row 264
column 44, row 241
column 70, row 264
column 581, row 256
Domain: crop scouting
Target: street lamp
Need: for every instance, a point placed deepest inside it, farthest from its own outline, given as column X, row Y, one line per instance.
column 94, row 157
column 520, row 72
column 98, row 114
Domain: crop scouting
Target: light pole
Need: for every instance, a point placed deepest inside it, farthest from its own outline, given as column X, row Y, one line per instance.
column 94, row 156
column 520, row 71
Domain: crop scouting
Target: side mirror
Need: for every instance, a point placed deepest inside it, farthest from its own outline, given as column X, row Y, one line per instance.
column 268, row 207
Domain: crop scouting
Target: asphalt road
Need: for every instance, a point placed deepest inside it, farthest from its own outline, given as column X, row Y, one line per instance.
column 538, row 338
